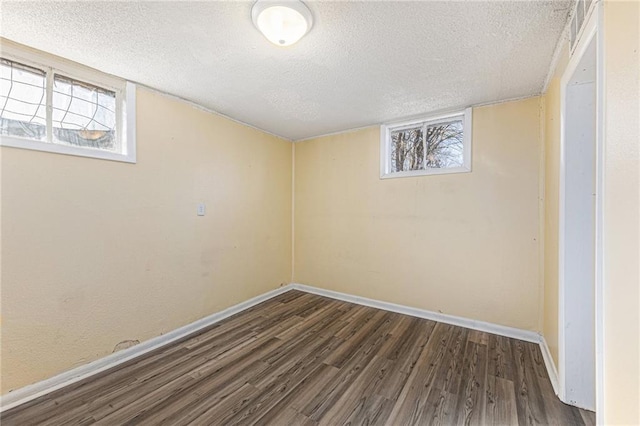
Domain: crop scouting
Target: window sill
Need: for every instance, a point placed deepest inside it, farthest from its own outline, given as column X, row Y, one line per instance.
column 415, row 173
column 14, row 142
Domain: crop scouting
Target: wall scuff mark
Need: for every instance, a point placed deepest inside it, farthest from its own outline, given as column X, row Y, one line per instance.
column 125, row 344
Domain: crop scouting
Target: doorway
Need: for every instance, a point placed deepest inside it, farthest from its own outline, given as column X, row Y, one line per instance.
column 579, row 239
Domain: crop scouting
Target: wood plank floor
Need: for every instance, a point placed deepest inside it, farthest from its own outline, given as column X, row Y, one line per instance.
column 304, row 359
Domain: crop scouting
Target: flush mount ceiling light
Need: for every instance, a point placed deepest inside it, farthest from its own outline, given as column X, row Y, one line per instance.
column 282, row 22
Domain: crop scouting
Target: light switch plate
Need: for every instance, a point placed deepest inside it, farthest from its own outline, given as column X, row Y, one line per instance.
column 202, row 209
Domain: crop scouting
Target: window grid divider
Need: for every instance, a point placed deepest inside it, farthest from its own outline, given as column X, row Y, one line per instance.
column 424, row 146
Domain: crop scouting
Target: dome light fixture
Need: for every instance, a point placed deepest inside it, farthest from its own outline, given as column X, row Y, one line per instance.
column 282, row 22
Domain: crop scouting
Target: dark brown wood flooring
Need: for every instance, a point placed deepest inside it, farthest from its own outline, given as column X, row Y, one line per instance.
column 304, row 359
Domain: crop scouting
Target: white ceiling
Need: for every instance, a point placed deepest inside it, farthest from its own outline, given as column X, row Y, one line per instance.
column 362, row 63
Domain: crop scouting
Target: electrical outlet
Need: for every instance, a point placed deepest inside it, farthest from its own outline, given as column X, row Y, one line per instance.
column 202, row 209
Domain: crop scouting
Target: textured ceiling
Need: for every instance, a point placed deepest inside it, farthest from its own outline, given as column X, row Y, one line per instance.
column 362, row 63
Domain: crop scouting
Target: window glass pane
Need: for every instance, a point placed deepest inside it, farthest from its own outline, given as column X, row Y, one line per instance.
column 587, row 6
column 579, row 14
column 445, row 145
column 407, row 149
column 83, row 114
column 22, row 101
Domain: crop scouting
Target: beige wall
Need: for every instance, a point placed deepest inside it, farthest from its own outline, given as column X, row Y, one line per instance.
column 462, row 244
column 551, row 204
column 622, row 213
column 96, row 252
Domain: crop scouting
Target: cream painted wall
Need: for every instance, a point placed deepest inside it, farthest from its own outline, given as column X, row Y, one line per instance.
column 136, row 262
column 96, row 252
column 622, row 213
column 462, row 244
column 551, row 203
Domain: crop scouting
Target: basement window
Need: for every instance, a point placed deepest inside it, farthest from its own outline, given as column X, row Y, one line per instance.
column 431, row 145
column 54, row 106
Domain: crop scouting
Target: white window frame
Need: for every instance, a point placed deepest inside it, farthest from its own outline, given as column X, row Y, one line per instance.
column 385, row 144
column 125, row 106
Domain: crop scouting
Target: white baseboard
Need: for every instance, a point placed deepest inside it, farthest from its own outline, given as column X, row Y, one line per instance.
column 515, row 333
column 30, row 392
column 551, row 366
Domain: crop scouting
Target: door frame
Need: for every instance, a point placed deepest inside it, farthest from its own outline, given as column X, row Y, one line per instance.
column 592, row 31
